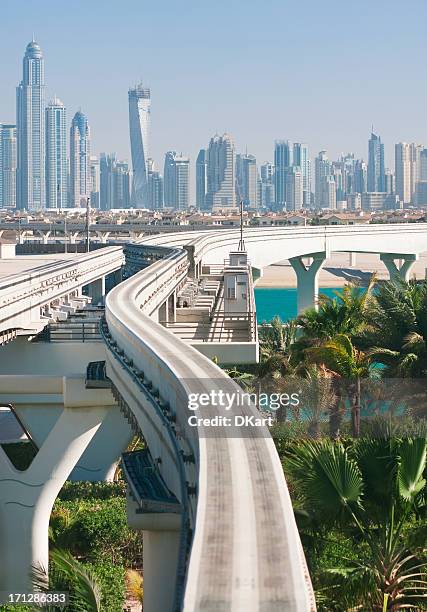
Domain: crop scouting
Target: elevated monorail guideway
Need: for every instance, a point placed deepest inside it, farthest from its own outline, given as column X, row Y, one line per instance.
column 307, row 248
column 237, row 546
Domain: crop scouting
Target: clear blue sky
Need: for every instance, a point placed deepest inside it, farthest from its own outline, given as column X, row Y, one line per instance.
column 319, row 72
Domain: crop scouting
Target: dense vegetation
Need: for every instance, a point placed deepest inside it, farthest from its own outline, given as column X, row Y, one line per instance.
column 354, row 452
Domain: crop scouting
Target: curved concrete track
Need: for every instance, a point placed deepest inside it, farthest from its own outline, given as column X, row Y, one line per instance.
column 240, row 548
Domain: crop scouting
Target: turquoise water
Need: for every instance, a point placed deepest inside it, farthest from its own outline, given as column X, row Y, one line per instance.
column 271, row 302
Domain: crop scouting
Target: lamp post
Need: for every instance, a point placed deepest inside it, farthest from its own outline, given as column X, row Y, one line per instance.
column 87, row 224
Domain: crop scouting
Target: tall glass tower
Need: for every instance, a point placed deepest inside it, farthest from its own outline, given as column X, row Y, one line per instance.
column 376, row 169
column 56, row 155
column 30, row 115
column 221, row 188
column 282, row 161
column 7, row 166
column 139, row 128
column 80, row 177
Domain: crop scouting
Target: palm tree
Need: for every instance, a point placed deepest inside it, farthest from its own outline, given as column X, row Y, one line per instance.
column 368, row 492
column 396, row 331
column 68, row 574
column 342, row 314
column 346, row 363
column 316, row 392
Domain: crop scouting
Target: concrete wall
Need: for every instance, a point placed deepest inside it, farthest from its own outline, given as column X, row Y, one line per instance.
column 56, row 359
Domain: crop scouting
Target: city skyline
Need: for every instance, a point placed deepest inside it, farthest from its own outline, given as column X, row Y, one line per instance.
column 187, row 107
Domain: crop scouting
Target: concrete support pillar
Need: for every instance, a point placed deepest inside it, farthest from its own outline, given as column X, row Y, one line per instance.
column 26, row 498
column 100, row 459
column 402, row 269
column 192, row 267
column 117, row 277
column 352, row 260
column 45, row 237
column 160, row 561
column 307, row 279
column 171, row 308
column 163, row 313
column 96, row 290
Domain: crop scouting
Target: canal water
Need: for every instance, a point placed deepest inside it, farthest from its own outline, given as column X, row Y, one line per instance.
column 272, row 302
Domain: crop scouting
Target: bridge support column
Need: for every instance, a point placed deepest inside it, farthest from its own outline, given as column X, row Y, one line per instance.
column 26, row 498
column 352, row 260
column 307, row 279
column 96, row 290
column 171, row 308
column 160, row 560
column 163, row 312
column 100, row 459
column 402, row 269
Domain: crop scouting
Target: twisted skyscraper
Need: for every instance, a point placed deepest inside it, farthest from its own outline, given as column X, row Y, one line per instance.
column 139, row 126
column 30, row 117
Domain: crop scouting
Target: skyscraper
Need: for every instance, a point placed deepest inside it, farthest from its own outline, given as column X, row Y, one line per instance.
column 7, row 166
column 376, row 169
column 176, row 181
column 360, row 176
column 403, row 171
column 293, row 188
column 266, row 186
column 221, row 194
column 246, row 180
column 201, row 179
column 139, row 127
column 114, row 182
column 390, row 186
column 282, row 161
column 323, row 170
column 56, row 155
column 301, row 159
column 155, row 190
column 423, row 165
column 30, row 116
column 94, row 181
column 80, row 183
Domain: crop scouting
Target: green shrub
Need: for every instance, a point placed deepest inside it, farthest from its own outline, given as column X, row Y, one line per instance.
column 111, row 580
column 80, row 490
column 95, row 529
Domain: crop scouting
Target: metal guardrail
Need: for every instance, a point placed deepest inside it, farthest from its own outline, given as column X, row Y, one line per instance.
column 70, row 332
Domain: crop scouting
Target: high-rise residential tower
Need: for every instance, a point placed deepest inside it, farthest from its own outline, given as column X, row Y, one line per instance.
column 266, row 185
column 376, row 168
column 114, row 182
column 30, row 117
column 139, row 128
column 201, row 179
column 301, row 159
column 7, row 165
column 423, row 165
column 403, row 171
column 155, row 190
column 176, row 181
column 282, row 161
column 221, row 193
column 246, row 180
column 94, row 181
column 323, row 172
column 80, row 181
column 56, row 155
column 407, row 170
column 293, row 188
